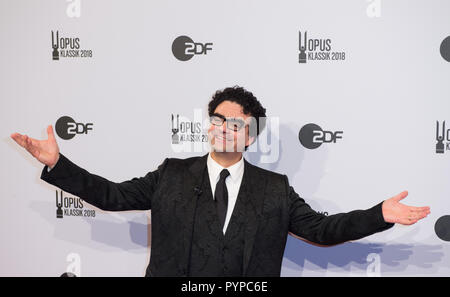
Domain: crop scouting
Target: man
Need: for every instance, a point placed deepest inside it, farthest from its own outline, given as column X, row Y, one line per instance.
column 218, row 215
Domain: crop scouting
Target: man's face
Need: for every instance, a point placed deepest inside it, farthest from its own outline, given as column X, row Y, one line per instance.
column 232, row 135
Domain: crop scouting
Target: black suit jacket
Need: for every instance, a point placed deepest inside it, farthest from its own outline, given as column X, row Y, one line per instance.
column 272, row 207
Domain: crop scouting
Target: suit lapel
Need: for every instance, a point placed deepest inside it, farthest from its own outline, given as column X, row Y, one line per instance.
column 185, row 207
column 255, row 188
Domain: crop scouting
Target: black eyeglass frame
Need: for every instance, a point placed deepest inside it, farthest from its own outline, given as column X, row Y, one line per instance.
column 231, row 122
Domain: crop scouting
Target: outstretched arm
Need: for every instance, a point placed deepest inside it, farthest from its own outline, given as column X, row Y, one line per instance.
column 338, row 228
column 134, row 194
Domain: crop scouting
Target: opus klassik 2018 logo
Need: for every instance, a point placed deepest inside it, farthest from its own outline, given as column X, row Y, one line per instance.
column 71, row 206
column 68, row 47
column 185, row 130
column 317, row 49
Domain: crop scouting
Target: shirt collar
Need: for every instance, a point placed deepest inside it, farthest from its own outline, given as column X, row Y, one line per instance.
column 236, row 170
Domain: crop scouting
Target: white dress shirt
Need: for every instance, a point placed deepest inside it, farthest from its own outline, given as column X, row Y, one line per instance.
column 233, row 183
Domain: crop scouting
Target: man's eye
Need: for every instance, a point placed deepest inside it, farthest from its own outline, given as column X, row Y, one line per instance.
column 234, row 125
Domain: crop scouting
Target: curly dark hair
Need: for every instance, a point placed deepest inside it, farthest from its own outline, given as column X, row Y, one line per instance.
column 250, row 105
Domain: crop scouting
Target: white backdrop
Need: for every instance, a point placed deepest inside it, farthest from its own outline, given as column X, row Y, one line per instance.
column 385, row 93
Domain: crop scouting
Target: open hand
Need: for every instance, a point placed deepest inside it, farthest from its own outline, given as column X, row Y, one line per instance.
column 46, row 151
column 396, row 212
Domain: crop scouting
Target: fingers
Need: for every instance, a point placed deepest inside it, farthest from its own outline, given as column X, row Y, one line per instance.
column 408, row 222
column 30, row 146
column 418, row 209
column 418, row 214
column 18, row 138
column 22, row 140
column 413, row 216
column 27, row 143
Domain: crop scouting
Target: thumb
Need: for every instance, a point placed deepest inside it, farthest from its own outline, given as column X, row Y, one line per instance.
column 400, row 196
column 50, row 133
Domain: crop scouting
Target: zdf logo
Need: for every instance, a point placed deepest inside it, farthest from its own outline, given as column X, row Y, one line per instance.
column 312, row 136
column 184, row 48
column 67, row 128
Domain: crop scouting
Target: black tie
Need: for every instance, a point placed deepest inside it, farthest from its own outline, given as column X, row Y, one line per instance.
column 221, row 197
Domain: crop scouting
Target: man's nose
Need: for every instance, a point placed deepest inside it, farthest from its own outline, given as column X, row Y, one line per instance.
column 224, row 127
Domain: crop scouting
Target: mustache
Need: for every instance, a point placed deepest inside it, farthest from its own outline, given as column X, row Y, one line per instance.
column 219, row 133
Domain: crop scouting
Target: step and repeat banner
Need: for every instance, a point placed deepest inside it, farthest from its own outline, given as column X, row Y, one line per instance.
column 358, row 103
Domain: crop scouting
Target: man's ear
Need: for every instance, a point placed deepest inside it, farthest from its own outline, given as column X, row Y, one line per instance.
column 252, row 130
column 250, row 140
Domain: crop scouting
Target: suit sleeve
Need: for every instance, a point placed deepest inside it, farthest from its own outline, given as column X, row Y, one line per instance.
column 332, row 229
column 134, row 194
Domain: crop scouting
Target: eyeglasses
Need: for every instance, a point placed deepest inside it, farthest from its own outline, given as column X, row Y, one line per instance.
column 232, row 123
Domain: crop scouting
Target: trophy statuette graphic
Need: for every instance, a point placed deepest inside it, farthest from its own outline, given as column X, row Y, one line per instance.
column 440, row 139
column 59, row 211
column 302, row 49
column 55, row 47
column 175, row 129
